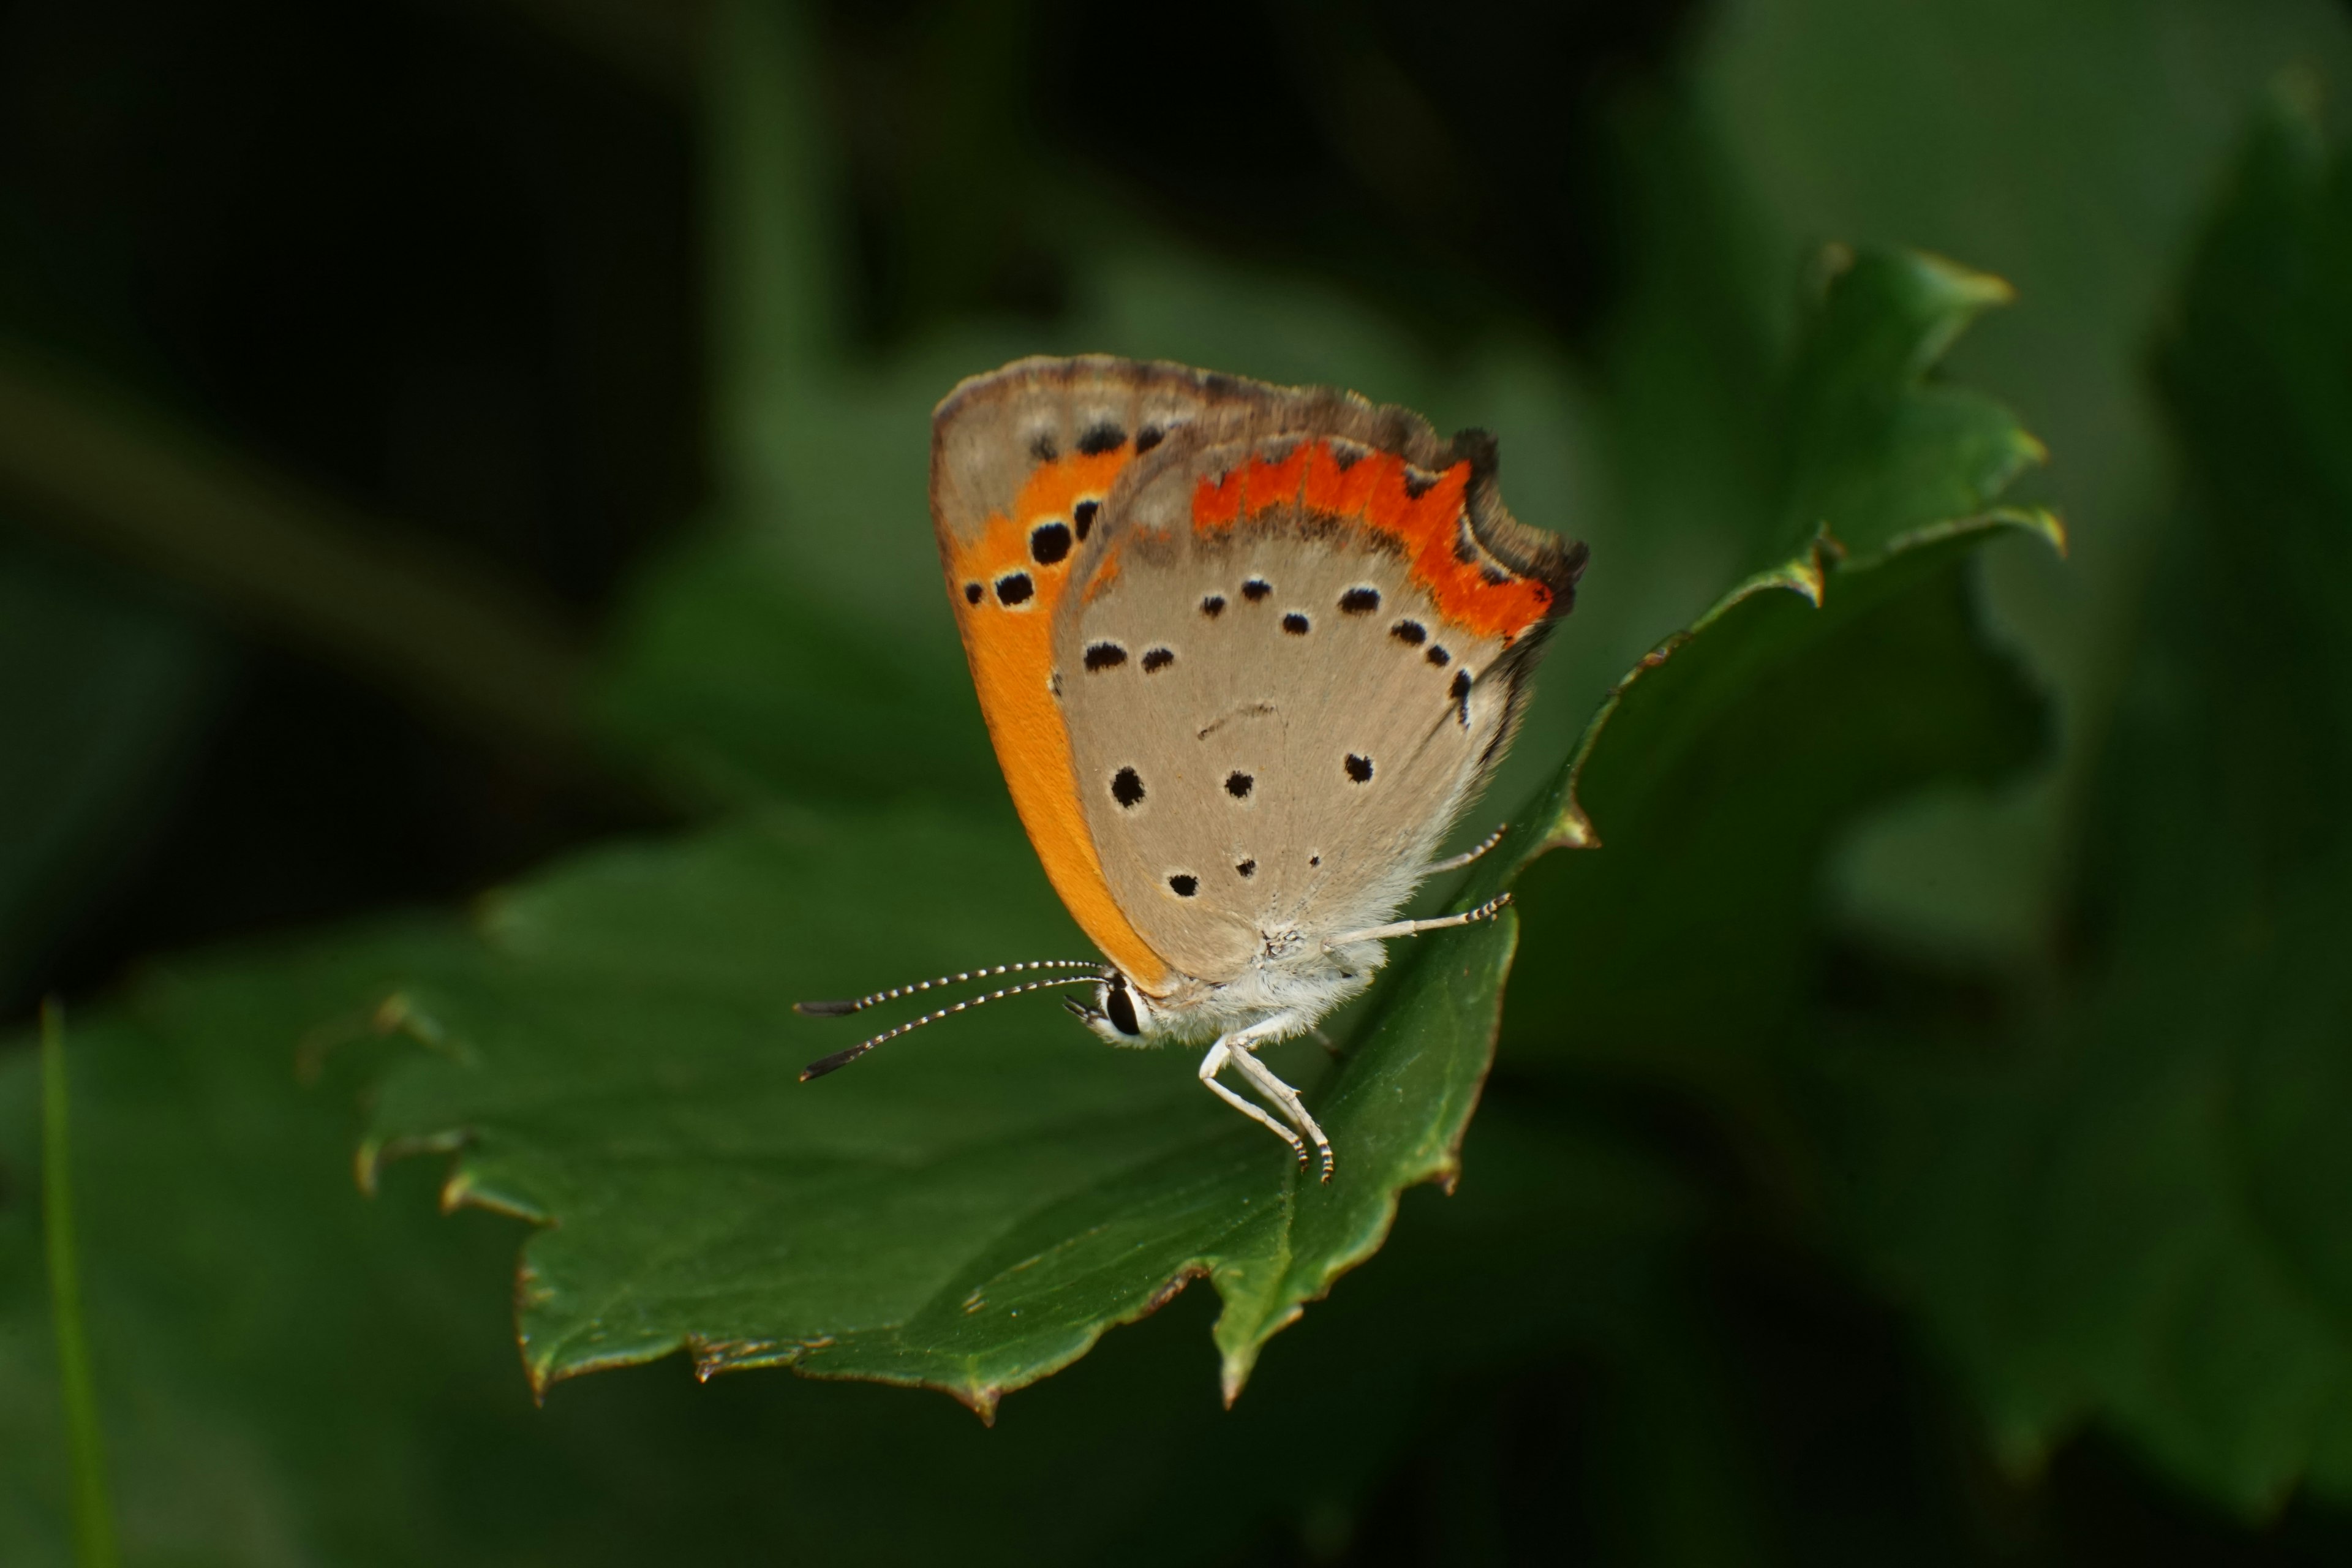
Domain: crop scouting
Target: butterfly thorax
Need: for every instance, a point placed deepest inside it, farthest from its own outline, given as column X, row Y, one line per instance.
column 1293, row 980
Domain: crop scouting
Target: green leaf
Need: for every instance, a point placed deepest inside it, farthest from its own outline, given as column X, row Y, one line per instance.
column 290, row 1372
column 2132, row 1205
column 968, row 1210
column 1844, row 675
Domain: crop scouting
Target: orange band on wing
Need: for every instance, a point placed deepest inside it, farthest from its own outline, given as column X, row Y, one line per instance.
column 1009, row 638
column 1377, row 491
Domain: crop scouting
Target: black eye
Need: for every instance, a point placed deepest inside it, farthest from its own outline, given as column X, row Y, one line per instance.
column 1049, row 543
column 1121, row 1008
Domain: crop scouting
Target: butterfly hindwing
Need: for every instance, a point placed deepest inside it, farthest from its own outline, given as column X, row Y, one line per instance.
column 1244, row 651
column 1289, row 659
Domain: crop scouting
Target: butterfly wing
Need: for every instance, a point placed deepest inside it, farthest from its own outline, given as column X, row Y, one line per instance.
column 1023, row 462
column 1292, row 648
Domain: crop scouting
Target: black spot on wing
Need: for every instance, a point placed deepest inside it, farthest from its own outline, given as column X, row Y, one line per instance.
column 1127, row 788
column 1014, row 588
column 1150, row 435
column 1418, row 482
column 1295, row 624
column 1461, row 690
column 1101, row 438
column 1183, row 886
column 971, row 592
column 1360, row 600
column 1247, row 868
column 1049, row 543
column 1157, row 659
column 1413, row 634
column 1438, row 655
column 1256, row 588
column 1102, row 656
column 1359, row 769
column 1083, row 514
column 1214, row 606
column 1238, row 784
column 1044, row 447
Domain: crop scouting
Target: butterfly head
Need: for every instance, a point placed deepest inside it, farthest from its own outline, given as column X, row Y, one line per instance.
column 1119, row 1013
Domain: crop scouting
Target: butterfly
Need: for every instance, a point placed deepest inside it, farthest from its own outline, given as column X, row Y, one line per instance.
column 1245, row 653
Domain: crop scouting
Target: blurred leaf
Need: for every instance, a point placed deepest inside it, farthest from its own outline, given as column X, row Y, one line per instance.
column 2134, row 1207
column 293, row 1374
column 2069, row 149
column 1831, row 680
column 99, row 696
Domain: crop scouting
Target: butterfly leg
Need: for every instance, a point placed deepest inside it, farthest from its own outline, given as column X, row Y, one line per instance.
column 1484, row 911
column 1283, row 1095
column 1211, row 1063
column 1455, row 862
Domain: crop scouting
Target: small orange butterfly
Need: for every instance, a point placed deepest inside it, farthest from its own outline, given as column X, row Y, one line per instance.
column 1245, row 653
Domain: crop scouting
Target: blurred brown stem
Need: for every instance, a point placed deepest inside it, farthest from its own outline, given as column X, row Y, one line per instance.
column 287, row 562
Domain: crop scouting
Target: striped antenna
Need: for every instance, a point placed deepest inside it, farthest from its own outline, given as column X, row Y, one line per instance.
column 843, row 1009
column 840, row 1059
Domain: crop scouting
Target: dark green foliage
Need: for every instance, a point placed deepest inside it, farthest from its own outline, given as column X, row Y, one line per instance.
column 1781, row 1236
column 2128, row 1203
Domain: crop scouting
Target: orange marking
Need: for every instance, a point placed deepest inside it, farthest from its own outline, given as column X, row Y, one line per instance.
column 1010, row 649
column 1371, row 491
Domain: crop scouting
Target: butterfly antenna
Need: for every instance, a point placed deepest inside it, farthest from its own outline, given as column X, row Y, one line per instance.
column 840, row 1059
column 843, row 1009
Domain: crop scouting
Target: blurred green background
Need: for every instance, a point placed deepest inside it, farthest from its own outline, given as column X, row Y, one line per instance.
column 437, row 438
